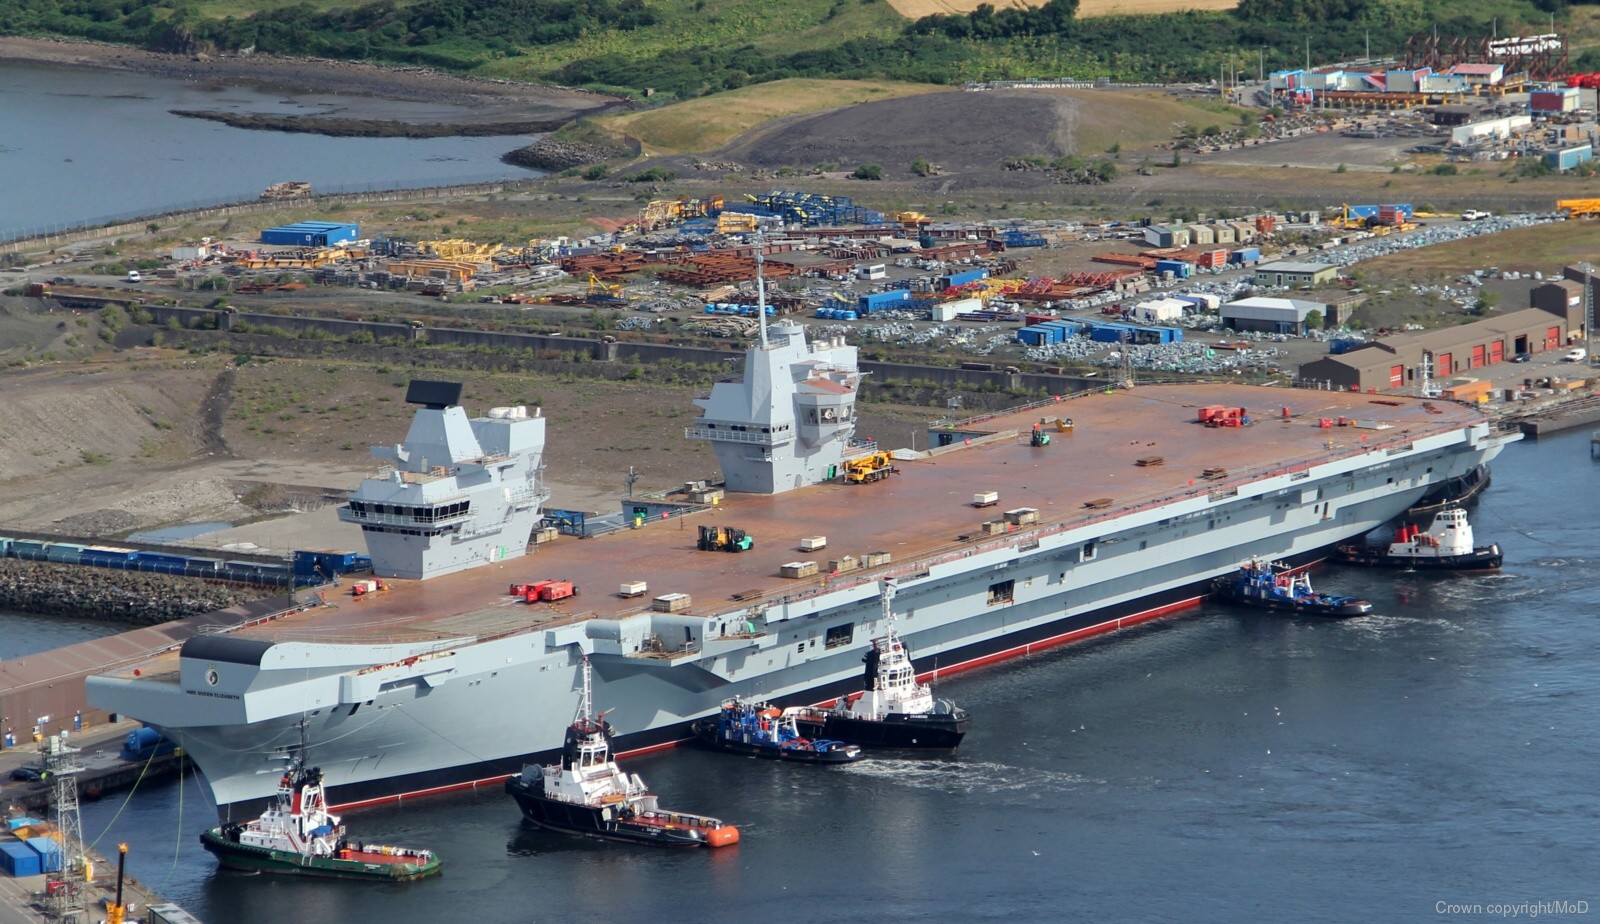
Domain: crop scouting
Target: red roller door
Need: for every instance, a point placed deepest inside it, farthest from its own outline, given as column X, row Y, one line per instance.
column 1477, row 358
column 1445, row 365
column 1397, row 376
column 1497, row 351
column 1552, row 337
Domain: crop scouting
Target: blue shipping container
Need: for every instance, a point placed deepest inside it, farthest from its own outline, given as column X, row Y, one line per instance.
column 18, row 860
column 961, row 279
column 49, row 853
column 311, row 234
column 69, row 553
column 1034, row 336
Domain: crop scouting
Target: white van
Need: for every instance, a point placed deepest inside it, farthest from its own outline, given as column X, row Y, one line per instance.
column 1575, row 355
column 133, row 276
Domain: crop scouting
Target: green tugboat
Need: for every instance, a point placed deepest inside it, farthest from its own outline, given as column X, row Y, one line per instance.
column 298, row 836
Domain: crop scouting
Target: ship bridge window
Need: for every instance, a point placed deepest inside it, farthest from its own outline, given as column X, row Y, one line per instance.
column 1087, row 552
column 1002, row 592
column 839, row 636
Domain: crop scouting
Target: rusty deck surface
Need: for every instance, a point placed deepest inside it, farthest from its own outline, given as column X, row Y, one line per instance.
column 920, row 513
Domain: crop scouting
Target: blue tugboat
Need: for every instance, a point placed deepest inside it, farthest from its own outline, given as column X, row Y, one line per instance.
column 763, row 730
column 1271, row 586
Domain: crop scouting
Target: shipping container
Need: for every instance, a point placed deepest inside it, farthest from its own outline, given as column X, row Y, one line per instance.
column 18, row 861
column 49, row 852
column 67, row 553
column 961, row 279
column 1036, row 336
column 1562, row 99
column 879, row 301
column 1245, row 256
column 1570, row 158
column 30, row 549
column 1178, row 268
column 21, row 821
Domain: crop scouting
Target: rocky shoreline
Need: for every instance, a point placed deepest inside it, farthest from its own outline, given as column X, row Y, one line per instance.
column 555, row 154
column 129, row 597
column 371, row 128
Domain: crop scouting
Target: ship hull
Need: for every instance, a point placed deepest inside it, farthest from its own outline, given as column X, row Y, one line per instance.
column 450, row 731
column 707, row 735
column 590, row 821
column 246, row 858
column 1488, row 558
column 896, row 731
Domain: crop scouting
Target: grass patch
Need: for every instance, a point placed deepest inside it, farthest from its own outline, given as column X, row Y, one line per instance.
column 1544, row 248
column 682, row 25
column 709, row 122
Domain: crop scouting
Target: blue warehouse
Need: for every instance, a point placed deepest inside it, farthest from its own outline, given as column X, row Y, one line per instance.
column 312, row 234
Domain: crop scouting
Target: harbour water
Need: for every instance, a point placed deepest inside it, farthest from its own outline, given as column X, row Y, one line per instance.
column 84, row 145
column 1224, row 765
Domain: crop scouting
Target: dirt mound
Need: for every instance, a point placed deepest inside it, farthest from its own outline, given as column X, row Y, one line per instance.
column 960, row 131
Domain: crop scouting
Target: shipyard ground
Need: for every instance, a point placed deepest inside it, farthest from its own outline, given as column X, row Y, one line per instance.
column 21, row 900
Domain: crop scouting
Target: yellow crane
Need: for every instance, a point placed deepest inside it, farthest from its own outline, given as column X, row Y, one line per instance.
column 596, row 287
column 1579, row 208
column 874, row 466
column 116, row 911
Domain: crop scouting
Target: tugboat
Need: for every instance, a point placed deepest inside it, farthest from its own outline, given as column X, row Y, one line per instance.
column 1445, row 546
column 764, row 730
column 1271, row 586
column 587, row 793
column 297, row 835
column 893, row 709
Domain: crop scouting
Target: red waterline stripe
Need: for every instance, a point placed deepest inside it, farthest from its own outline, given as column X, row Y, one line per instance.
column 1110, row 625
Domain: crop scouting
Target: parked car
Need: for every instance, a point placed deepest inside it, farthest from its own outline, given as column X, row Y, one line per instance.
column 27, row 774
column 1474, row 215
column 133, row 276
column 1575, row 355
column 1522, row 357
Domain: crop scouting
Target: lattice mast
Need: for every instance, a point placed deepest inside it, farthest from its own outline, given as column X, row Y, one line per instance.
column 66, row 890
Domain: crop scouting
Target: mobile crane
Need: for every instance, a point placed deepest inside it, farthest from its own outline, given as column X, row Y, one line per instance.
column 874, row 466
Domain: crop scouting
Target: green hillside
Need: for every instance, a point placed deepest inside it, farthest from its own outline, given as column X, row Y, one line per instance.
column 689, row 48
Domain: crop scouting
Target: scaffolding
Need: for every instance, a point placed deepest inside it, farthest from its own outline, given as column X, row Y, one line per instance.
column 66, row 889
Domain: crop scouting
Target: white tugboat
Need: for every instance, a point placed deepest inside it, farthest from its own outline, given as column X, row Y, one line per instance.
column 297, row 835
column 893, row 709
column 587, row 793
column 1446, row 545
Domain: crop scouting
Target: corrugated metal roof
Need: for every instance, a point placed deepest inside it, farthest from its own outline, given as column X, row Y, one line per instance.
column 1294, row 267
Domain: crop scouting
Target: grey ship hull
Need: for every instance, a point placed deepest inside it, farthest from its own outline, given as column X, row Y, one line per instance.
column 506, row 701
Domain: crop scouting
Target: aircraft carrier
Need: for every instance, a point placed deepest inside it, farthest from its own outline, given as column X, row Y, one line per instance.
column 444, row 679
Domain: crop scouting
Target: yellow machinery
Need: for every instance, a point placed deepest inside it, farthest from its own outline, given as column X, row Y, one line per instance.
column 596, row 287
column 1579, row 208
column 736, row 223
column 116, row 911
column 874, row 466
column 725, row 539
column 460, row 250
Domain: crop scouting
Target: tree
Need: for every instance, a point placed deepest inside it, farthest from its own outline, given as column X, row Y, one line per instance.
column 868, row 172
column 1313, row 319
column 921, row 167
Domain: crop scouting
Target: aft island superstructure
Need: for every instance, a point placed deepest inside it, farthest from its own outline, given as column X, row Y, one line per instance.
column 446, row 680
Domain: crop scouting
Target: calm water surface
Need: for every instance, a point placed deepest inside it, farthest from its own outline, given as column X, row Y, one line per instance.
column 1223, row 766
column 83, row 144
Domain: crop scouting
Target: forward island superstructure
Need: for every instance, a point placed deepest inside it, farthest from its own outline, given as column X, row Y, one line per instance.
column 447, row 681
